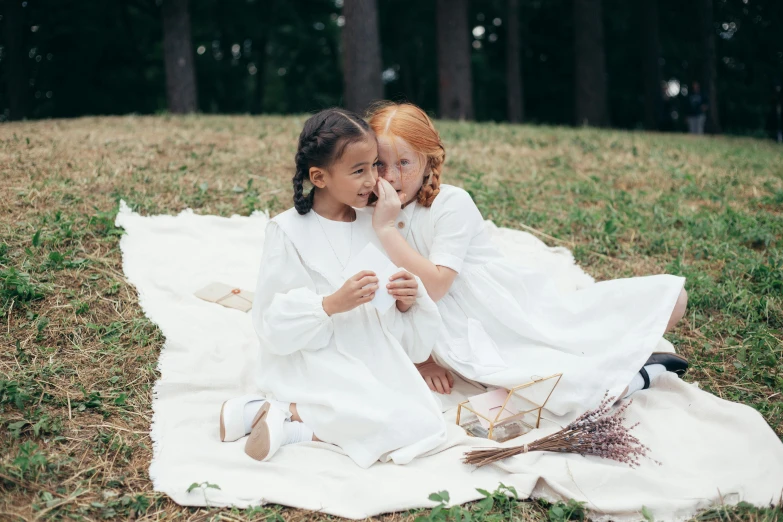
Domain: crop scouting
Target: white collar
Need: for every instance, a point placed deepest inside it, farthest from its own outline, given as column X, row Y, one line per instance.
column 313, row 247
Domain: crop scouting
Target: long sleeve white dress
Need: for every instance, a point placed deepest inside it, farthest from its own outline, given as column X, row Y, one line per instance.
column 352, row 374
column 505, row 324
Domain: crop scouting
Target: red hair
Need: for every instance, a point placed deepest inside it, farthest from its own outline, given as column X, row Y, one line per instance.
column 410, row 123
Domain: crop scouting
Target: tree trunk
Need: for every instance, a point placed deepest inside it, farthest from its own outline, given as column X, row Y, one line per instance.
column 16, row 58
column 514, row 95
column 590, row 66
column 257, row 104
column 709, row 73
column 651, row 48
column 455, row 82
column 178, row 57
column 361, row 54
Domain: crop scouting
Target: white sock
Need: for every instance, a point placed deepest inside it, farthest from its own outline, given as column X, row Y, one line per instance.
column 285, row 406
column 297, row 432
column 252, row 407
column 637, row 383
column 654, row 370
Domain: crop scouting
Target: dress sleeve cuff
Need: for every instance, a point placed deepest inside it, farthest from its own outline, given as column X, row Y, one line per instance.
column 447, row 260
column 319, row 311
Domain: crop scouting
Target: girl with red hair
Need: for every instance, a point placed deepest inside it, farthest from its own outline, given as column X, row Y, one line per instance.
column 505, row 323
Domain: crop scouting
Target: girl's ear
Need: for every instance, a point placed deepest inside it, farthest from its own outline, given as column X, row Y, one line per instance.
column 317, row 177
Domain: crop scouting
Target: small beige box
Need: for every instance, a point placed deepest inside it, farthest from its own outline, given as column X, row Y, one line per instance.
column 226, row 295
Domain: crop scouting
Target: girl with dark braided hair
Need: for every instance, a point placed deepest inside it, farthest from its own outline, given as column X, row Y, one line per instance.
column 507, row 323
column 334, row 368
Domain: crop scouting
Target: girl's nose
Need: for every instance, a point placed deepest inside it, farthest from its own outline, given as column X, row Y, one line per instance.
column 388, row 173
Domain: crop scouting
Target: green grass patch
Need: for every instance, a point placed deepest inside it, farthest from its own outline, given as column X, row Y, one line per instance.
column 79, row 357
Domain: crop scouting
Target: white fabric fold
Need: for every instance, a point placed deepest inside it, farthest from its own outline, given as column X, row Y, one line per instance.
column 712, row 451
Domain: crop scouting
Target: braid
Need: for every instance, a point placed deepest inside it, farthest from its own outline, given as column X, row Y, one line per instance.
column 302, row 203
column 431, row 186
column 323, row 140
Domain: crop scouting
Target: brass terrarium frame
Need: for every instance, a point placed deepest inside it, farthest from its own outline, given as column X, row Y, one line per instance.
column 497, row 421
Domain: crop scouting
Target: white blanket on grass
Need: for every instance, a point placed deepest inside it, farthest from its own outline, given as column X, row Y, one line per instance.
column 711, row 451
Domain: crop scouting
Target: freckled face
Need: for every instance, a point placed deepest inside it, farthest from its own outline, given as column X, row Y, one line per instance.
column 401, row 166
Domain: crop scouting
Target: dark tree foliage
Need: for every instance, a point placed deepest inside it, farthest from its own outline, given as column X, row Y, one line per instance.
column 70, row 58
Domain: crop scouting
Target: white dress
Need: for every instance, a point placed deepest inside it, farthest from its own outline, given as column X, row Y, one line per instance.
column 504, row 323
column 351, row 374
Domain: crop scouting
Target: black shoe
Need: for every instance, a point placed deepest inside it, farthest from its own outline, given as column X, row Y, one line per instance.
column 671, row 361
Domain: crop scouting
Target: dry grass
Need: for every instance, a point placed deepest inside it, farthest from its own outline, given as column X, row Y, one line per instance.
column 78, row 357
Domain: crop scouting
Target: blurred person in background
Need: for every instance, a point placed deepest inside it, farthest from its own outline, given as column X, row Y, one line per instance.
column 696, row 109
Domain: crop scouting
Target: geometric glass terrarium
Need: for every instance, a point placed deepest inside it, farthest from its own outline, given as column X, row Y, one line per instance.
column 501, row 414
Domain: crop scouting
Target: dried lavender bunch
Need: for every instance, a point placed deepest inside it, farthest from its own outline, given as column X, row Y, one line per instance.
column 593, row 433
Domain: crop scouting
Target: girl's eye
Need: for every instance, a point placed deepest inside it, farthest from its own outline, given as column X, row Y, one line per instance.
column 359, row 171
column 404, row 162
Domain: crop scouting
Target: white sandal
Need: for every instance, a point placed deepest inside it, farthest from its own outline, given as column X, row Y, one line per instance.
column 232, row 417
column 268, row 433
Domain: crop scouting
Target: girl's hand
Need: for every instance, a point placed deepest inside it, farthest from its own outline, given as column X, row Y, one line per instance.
column 358, row 290
column 388, row 206
column 439, row 379
column 403, row 287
